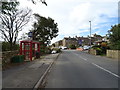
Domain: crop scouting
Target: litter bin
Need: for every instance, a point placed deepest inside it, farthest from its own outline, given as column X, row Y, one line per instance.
column 17, row 59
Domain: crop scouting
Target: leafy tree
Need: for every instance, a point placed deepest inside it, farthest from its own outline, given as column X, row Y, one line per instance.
column 114, row 37
column 44, row 30
column 13, row 20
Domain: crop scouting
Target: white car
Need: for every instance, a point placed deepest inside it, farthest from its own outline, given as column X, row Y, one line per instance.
column 53, row 52
column 63, row 48
column 86, row 47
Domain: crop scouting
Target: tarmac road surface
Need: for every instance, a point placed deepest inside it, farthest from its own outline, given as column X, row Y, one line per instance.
column 75, row 69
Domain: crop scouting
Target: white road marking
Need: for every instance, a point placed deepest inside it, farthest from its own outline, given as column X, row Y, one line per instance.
column 100, row 67
column 81, row 57
column 85, row 59
column 106, row 70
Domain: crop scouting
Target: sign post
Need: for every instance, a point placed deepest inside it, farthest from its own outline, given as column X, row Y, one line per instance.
column 30, row 35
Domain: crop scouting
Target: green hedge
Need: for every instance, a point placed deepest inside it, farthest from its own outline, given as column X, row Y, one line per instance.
column 100, row 49
column 6, row 46
column 72, row 46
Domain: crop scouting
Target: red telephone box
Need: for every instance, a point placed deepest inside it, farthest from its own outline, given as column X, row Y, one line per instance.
column 29, row 48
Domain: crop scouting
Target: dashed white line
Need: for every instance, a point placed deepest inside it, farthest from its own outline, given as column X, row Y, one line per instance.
column 81, row 57
column 85, row 59
column 106, row 70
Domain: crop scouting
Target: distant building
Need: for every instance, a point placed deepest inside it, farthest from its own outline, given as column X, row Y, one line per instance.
column 105, row 38
column 97, row 37
column 78, row 41
column 83, row 40
column 59, row 43
column 68, row 41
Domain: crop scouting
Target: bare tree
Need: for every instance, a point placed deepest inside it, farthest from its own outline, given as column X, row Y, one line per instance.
column 13, row 20
column 43, row 1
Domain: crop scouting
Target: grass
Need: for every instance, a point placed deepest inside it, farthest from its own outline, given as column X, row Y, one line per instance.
column 103, row 55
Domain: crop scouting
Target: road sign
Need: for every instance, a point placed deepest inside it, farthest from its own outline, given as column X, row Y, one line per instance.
column 30, row 34
column 80, row 41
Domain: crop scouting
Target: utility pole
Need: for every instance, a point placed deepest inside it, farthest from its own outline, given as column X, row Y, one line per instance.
column 90, row 33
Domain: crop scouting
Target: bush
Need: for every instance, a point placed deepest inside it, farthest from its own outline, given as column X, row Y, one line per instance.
column 72, row 46
column 115, row 46
column 48, row 50
column 42, row 49
column 99, row 51
column 103, row 44
column 114, row 37
column 6, row 46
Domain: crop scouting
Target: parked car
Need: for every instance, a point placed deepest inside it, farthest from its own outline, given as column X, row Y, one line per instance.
column 54, row 51
column 86, row 47
column 62, row 47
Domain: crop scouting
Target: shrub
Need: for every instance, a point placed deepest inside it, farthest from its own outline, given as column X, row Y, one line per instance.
column 47, row 50
column 6, row 46
column 103, row 44
column 114, row 37
column 72, row 46
column 42, row 49
column 99, row 51
column 115, row 46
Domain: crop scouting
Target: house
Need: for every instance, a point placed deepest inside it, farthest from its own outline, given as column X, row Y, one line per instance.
column 68, row 41
column 58, row 43
column 105, row 38
column 78, row 41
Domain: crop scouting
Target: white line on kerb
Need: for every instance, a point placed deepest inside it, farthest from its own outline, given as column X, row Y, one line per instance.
column 106, row 70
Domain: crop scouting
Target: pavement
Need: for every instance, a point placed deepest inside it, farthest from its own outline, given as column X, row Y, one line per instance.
column 75, row 69
column 27, row 75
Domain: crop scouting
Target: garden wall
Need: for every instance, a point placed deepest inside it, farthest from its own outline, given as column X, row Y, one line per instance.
column 113, row 54
column 92, row 51
column 7, row 55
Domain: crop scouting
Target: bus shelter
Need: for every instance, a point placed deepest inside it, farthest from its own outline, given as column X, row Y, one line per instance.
column 30, row 49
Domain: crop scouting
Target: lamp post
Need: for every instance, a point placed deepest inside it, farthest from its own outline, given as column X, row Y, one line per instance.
column 90, row 33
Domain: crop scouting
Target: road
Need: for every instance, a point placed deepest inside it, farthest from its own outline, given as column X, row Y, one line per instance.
column 75, row 69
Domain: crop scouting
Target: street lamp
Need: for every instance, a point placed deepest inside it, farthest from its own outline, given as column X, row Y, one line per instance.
column 90, row 33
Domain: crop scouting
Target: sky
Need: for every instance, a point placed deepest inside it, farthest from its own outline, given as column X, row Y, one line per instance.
column 73, row 16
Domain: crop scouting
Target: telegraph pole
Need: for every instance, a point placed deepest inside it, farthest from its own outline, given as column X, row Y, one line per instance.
column 90, row 33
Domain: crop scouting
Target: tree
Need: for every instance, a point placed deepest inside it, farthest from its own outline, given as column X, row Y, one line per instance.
column 114, row 37
column 45, row 29
column 43, row 1
column 13, row 20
